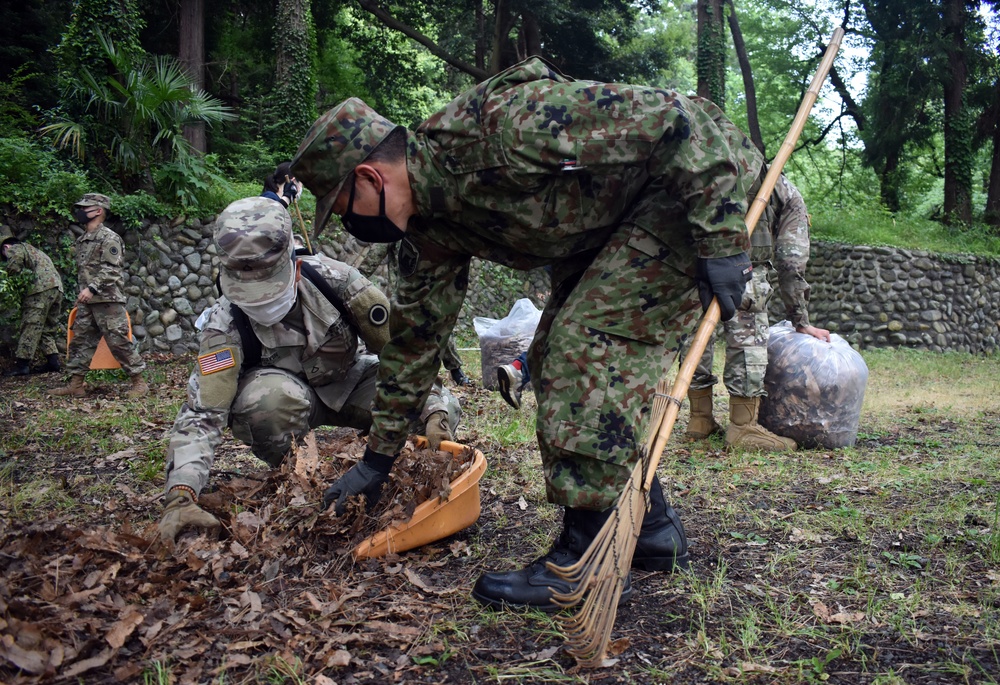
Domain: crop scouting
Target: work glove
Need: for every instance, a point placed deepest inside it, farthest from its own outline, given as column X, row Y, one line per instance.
column 366, row 477
column 726, row 278
column 290, row 191
column 180, row 511
column 438, row 429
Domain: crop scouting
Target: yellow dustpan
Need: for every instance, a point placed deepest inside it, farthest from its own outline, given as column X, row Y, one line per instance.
column 103, row 359
column 433, row 519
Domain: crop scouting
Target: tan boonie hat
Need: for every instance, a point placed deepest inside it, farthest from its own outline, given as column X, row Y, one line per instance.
column 253, row 237
column 340, row 140
column 94, row 200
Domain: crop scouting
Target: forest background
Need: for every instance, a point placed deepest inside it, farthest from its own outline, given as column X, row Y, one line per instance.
column 177, row 107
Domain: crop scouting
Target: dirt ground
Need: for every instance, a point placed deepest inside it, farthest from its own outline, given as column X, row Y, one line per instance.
column 87, row 595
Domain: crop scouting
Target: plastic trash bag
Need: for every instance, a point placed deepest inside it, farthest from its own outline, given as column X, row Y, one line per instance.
column 502, row 340
column 814, row 389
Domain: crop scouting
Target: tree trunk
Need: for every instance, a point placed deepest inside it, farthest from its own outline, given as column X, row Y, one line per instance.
column 711, row 52
column 191, row 54
column 889, row 182
column 958, row 153
column 991, row 215
column 532, row 35
column 748, row 85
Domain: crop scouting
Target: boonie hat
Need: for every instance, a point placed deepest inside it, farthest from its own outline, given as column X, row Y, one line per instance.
column 337, row 142
column 253, row 237
column 94, row 200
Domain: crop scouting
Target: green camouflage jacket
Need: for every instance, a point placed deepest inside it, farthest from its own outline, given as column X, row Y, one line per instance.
column 530, row 168
column 100, row 263
column 314, row 341
column 22, row 257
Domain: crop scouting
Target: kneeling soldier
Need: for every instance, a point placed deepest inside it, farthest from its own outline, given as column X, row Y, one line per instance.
column 279, row 356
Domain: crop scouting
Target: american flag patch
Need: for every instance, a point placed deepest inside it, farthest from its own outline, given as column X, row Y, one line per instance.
column 214, row 362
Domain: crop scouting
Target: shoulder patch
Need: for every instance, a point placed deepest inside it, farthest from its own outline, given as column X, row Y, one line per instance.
column 378, row 314
column 409, row 255
column 213, row 362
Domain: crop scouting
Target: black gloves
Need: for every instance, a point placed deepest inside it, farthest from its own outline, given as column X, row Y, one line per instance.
column 366, row 477
column 725, row 278
column 290, row 191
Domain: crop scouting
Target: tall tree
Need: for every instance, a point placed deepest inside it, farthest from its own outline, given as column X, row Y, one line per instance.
column 712, row 51
column 959, row 156
column 295, row 73
column 191, row 54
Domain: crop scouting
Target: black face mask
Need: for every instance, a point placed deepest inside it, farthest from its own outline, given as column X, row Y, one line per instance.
column 371, row 229
column 80, row 214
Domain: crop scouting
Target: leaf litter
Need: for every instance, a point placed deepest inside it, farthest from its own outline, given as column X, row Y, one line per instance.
column 279, row 582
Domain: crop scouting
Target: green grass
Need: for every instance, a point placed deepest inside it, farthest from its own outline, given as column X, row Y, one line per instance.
column 877, row 227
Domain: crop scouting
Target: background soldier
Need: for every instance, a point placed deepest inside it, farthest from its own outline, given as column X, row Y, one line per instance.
column 782, row 235
column 40, row 309
column 279, row 356
column 629, row 192
column 100, row 306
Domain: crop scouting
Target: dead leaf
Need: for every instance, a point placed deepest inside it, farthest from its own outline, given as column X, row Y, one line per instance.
column 121, row 630
column 338, row 659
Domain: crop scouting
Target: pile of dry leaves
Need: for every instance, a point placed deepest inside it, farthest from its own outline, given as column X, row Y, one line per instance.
column 279, row 583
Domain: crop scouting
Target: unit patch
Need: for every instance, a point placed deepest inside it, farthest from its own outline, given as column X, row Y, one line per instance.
column 409, row 255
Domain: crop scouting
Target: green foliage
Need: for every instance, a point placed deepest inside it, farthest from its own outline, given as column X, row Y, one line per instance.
column 14, row 113
column 78, row 51
column 35, row 181
column 138, row 112
column 131, row 209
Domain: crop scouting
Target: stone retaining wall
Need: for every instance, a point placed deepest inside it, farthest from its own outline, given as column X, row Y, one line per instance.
column 872, row 296
column 889, row 297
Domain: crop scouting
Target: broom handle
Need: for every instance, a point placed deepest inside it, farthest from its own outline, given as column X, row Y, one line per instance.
column 302, row 224
column 711, row 316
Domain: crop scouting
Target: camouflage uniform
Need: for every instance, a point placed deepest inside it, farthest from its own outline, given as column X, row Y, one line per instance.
column 620, row 188
column 40, row 310
column 100, row 260
column 310, row 374
column 781, row 235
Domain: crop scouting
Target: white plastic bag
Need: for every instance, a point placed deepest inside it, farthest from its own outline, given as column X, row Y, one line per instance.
column 502, row 340
column 814, row 389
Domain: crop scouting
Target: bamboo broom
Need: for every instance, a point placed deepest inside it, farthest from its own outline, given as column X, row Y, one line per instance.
column 601, row 572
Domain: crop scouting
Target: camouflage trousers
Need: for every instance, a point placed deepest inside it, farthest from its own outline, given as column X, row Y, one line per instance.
column 609, row 332
column 746, row 343
column 40, row 323
column 107, row 320
column 273, row 408
column 449, row 356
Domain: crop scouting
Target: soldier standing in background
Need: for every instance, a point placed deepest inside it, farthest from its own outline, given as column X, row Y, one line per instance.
column 633, row 194
column 100, row 306
column 781, row 237
column 41, row 308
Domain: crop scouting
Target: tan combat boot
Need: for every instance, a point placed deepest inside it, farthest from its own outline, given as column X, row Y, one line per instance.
column 139, row 387
column 702, row 423
column 745, row 432
column 76, row 388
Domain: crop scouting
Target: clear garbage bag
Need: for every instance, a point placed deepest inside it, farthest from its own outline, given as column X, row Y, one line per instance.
column 502, row 340
column 814, row 389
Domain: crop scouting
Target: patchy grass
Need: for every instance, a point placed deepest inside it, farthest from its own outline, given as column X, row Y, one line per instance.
column 878, row 563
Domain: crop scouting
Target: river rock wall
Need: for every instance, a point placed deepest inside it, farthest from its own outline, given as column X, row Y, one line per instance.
column 871, row 296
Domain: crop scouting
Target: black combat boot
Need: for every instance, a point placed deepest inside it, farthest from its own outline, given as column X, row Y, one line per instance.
column 460, row 378
column 51, row 364
column 20, row 368
column 532, row 586
column 662, row 545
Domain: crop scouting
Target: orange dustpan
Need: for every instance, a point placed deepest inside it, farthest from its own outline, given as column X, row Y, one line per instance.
column 103, row 359
column 433, row 519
